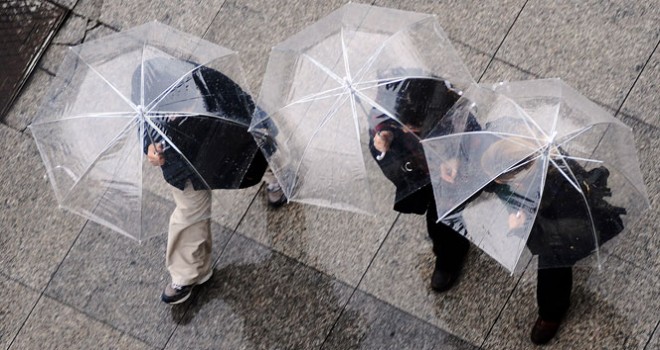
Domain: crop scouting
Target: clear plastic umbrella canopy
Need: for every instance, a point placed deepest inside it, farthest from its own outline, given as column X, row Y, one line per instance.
column 113, row 97
column 547, row 173
column 326, row 89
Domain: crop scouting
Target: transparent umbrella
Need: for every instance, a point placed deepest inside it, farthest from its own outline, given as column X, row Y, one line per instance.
column 327, row 89
column 115, row 96
column 549, row 173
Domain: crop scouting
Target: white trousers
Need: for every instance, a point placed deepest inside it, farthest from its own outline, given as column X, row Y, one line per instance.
column 188, row 256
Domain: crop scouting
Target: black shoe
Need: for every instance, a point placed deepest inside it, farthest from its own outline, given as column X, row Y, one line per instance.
column 444, row 278
column 543, row 331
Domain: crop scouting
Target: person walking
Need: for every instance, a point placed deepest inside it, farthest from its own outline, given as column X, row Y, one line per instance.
column 202, row 153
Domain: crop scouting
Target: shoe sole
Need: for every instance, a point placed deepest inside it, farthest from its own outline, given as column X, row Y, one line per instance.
column 180, row 300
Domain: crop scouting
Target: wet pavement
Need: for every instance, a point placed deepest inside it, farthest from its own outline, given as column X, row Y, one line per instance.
column 304, row 278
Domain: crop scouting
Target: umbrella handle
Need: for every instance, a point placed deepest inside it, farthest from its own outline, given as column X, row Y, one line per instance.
column 380, row 156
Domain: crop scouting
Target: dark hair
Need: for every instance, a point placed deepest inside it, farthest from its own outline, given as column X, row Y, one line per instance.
column 419, row 98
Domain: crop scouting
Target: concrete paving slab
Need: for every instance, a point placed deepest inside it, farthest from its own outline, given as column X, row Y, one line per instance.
column 53, row 325
column 475, row 60
column 25, row 107
column 401, row 273
column 369, row 323
column 597, row 47
column 191, row 16
column 71, row 33
column 109, row 276
column 616, row 308
column 36, row 234
column 90, row 9
column 336, row 242
column 481, row 24
column 500, row 71
column 18, row 301
column 259, row 299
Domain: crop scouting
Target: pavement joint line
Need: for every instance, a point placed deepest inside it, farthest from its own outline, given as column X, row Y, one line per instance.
column 366, row 270
column 206, row 31
column 106, row 323
column 522, row 8
column 648, row 343
column 21, row 283
column 632, row 87
column 499, row 314
column 631, row 263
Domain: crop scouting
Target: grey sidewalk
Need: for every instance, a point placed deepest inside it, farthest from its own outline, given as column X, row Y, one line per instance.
column 298, row 277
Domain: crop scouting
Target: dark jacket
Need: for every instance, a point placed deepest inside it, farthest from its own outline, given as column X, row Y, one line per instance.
column 562, row 231
column 416, row 102
column 206, row 149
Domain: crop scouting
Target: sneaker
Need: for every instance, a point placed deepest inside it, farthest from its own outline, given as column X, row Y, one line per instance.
column 175, row 293
column 543, row 331
column 275, row 194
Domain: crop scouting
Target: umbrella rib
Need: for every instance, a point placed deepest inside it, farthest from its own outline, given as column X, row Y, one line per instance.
column 344, row 53
column 526, row 119
column 96, row 159
column 382, row 46
column 586, row 202
column 356, row 122
column 544, row 172
column 384, row 111
column 144, row 44
column 503, row 135
column 377, row 52
column 107, row 82
column 176, row 114
column 324, row 69
column 385, row 81
column 480, row 187
column 570, row 137
column 324, row 121
column 89, row 116
column 320, row 96
column 571, row 179
column 169, row 89
column 584, row 159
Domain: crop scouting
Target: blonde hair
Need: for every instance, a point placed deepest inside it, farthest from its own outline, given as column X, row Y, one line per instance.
column 516, row 153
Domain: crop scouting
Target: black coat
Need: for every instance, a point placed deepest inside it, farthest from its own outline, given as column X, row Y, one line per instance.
column 211, row 151
column 562, row 231
column 416, row 102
